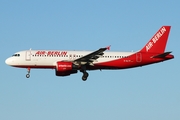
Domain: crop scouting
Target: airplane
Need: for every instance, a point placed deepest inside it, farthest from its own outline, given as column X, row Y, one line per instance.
column 66, row 62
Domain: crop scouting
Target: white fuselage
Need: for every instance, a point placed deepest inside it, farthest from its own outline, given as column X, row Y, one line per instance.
column 49, row 58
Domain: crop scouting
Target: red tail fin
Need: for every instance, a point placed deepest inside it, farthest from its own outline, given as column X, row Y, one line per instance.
column 157, row 43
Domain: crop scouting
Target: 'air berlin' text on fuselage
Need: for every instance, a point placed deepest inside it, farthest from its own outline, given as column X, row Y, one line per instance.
column 51, row 53
column 155, row 38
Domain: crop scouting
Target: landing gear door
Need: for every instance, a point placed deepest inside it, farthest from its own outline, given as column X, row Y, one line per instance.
column 28, row 55
column 138, row 57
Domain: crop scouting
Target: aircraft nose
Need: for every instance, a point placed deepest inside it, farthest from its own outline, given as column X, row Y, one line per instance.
column 8, row 61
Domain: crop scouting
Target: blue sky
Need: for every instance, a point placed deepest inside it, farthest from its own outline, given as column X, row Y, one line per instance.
column 150, row 92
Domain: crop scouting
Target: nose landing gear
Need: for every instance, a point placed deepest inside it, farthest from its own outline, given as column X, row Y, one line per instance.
column 28, row 74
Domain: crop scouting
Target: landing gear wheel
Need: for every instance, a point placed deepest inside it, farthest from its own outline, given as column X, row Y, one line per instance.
column 85, row 75
column 84, row 78
column 27, row 75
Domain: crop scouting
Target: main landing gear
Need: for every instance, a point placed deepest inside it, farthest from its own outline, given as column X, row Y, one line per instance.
column 85, row 76
column 28, row 74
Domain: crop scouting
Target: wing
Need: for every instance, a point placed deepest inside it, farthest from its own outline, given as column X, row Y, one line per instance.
column 90, row 58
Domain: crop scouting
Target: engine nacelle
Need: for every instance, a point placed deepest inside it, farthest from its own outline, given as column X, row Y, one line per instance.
column 65, row 68
column 66, row 73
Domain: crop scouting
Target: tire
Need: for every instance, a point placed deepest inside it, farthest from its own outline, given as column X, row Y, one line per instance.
column 27, row 75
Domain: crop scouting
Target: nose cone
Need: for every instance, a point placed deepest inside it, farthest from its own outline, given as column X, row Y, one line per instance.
column 8, row 61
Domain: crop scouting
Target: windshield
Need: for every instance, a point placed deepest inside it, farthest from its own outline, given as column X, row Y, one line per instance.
column 16, row 55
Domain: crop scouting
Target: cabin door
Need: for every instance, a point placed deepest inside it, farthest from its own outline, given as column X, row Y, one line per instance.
column 28, row 55
column 138, row 57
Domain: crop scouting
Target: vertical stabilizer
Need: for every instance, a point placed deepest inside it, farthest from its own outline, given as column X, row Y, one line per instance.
column 157, row 43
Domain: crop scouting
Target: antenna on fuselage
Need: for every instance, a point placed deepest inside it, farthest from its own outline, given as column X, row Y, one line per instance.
column 30, row 51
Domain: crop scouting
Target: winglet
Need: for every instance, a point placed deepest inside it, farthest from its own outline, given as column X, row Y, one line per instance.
column 108, row 47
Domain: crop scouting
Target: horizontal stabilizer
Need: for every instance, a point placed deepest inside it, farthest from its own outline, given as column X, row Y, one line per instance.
column 163, row 55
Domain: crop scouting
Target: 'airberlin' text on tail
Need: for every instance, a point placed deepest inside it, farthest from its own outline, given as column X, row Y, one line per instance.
column 157, row 43
column 155, row 38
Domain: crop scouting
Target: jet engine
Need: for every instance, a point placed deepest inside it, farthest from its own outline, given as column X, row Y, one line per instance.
column 65, row 68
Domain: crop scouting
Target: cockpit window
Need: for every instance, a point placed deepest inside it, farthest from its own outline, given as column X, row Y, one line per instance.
column 16, row 55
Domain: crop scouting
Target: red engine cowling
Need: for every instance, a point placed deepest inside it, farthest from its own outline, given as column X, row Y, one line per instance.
column 65, row 68
column 65, row 73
